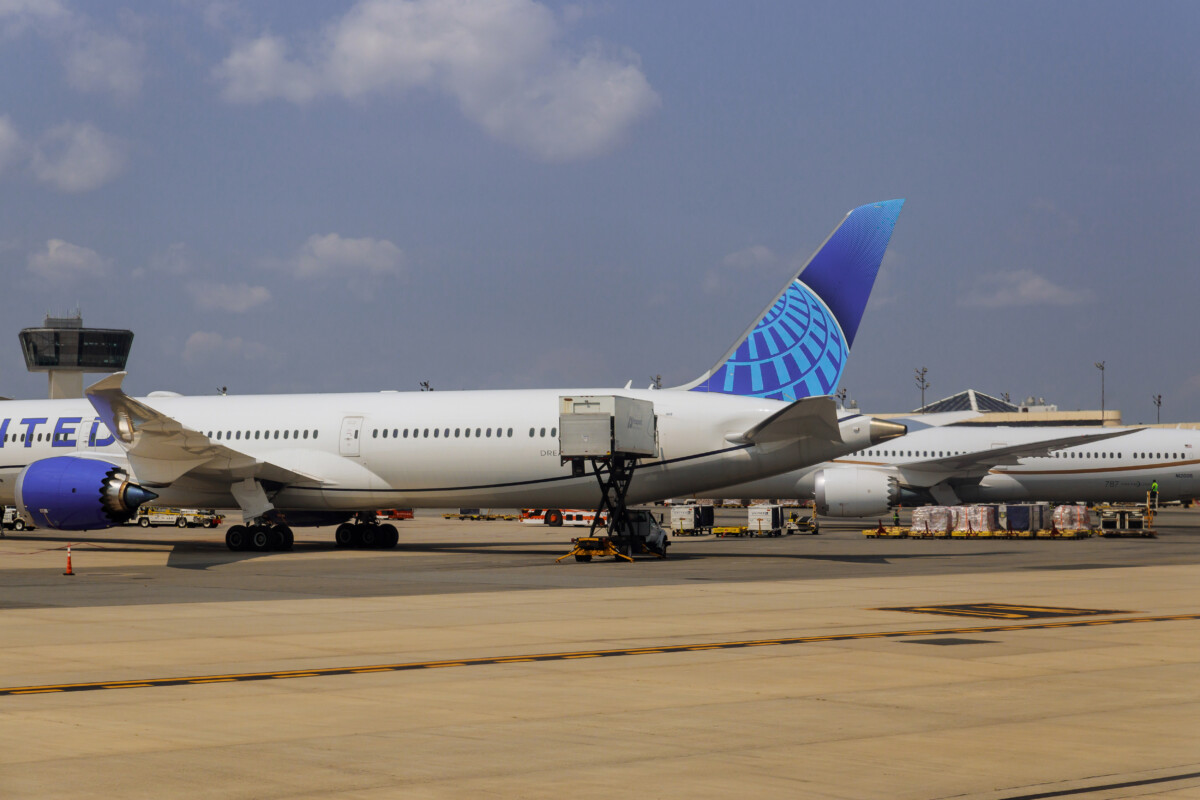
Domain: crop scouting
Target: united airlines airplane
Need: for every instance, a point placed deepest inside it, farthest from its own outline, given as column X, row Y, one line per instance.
column 761, row 410
column 994, row 464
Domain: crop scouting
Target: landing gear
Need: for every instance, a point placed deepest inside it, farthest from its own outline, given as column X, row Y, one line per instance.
column 261, row 538
column 367, row 535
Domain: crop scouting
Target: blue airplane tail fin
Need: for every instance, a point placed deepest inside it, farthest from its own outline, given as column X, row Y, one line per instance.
column 798, row 346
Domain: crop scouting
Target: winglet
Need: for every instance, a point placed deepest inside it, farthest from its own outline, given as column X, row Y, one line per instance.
column 799, row 344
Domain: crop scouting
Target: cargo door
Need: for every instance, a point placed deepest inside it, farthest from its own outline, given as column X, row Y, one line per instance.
column 348, row 441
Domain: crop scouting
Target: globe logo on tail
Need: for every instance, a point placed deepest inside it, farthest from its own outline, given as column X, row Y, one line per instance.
column 796, row 350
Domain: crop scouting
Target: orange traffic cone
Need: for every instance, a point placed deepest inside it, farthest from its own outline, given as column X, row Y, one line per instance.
column 69, row 570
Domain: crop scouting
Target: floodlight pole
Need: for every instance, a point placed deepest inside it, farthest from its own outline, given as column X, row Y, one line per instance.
column 1100, row 366
column 1157, row 400
column 922, row 384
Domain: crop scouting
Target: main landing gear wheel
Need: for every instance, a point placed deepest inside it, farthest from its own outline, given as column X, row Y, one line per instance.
column 367, row 536
column 259, row 537
column 236, row 537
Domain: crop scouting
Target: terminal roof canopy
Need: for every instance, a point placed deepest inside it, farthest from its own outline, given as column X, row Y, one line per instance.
column 970, row 400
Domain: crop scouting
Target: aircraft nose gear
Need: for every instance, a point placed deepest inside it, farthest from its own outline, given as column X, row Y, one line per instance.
column 259, row 537
column 365, row 533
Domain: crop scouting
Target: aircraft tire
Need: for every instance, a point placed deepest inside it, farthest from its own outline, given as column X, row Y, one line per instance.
column 236, row 537
column 344, row 535
column 554, row 518
column 144, row 522
column 274, row 537
column 389, row 537
column 260, row 538
column 286, row 537
column 369, row 536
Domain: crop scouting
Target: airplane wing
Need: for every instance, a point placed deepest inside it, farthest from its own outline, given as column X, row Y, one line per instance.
column 806, row 418
column 161, row 449
column 978, row 463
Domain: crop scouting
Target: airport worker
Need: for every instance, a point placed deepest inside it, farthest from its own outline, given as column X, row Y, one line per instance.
column 1154, row 493
column 896, row 517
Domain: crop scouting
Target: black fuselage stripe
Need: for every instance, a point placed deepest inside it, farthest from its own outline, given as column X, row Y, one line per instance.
column 510, row 484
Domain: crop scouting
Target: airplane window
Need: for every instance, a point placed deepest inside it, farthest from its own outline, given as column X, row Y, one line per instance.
column 285, row 434
column 457, row 432
column 510, row 433
column 489, row 433
column 237, row 434
column 306, row 434
column 427, row 433
column 395, row 433
column 531, row 433
column 375, row 434
column 276, row 434
column 467, row 433
column 436, row 431
column 542, row 433
column 554, row 431
column 477, row 432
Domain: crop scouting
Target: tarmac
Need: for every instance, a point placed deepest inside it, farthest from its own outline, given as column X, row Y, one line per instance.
column 466, row 662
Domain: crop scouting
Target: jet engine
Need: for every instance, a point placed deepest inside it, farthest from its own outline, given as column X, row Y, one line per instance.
column 68, row 493
column 854, row 492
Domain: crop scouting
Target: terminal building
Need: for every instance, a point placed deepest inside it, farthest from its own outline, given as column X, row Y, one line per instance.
column 64, row 349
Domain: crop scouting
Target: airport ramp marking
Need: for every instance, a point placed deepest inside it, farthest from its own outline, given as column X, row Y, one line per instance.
column 200, row 680
column 1003, row 611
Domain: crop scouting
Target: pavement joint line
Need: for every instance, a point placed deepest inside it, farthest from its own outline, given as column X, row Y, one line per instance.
column 576, row 654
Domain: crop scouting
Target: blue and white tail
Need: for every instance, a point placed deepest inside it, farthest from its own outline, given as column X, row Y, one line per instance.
column 798, row 346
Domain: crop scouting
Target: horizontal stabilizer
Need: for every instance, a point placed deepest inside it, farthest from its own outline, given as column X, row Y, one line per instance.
column 807, row 418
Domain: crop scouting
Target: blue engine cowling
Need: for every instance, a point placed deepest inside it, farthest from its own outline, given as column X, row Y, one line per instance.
column 78, row 494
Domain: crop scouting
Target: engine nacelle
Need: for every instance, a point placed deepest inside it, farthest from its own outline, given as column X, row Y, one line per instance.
column 854, row 492
column 68, row 493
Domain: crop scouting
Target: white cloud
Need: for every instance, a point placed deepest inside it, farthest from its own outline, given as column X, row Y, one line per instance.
column 1023, row 288
column 16, row 14
column 99, row 62
column 752, row 257
column 502, row 62
column 332, row 254
column 207, row 346
column 177, row 259
column 10, row 143
column 77, row 157
column 63, row 262
column 237, row 298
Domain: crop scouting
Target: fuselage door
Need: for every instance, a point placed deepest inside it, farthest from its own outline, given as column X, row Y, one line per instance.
column 348, row 442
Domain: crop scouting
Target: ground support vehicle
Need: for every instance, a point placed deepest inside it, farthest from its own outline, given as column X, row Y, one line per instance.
column 558, row 517
column 478, row 515
column 691, row 520
column 385, row 514
column 153, row 516
column 13, row 521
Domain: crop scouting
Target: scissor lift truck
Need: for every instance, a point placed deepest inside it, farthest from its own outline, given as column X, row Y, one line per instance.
column 612, row 432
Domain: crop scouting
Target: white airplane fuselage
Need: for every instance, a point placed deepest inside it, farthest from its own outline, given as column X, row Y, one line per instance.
column 1115, row 470
column 445, row 448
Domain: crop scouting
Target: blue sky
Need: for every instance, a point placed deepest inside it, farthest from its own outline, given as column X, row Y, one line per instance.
column 291, row 196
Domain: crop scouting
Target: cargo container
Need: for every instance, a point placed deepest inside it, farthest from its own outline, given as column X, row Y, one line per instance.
column 691, row 520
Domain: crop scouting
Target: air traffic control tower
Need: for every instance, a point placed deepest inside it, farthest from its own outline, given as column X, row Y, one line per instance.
column 65, row 349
